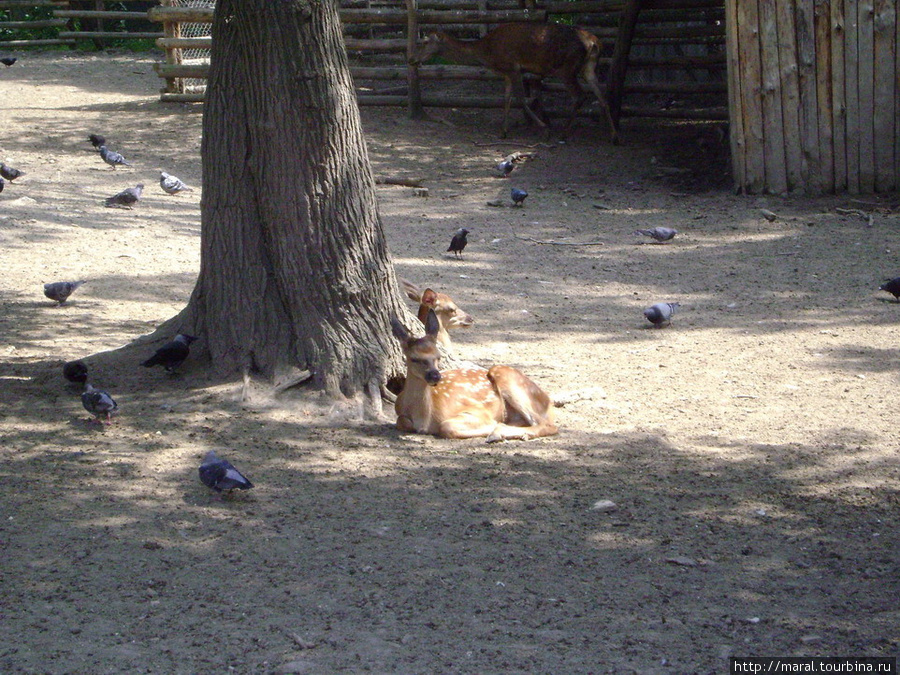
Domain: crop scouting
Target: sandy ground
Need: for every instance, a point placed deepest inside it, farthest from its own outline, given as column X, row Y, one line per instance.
column 750, row 449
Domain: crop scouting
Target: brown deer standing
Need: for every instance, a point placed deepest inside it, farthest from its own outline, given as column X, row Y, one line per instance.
column 541, row 49
column 500, row 403
column 449, row 316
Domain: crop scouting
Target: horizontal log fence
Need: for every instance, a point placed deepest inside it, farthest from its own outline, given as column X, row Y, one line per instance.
column 66, row 22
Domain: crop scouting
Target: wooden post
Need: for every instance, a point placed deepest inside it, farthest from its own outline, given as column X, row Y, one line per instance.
column 884, row 112
column 174, row 56
column 789, row 92
column 615, row 81
column 414, row 93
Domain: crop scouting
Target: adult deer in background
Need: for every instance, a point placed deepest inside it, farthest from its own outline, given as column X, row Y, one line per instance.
column 500, row 403
column 512, row 49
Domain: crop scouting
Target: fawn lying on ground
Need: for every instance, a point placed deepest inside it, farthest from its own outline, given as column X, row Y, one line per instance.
column 448, row 314
column 500, row 403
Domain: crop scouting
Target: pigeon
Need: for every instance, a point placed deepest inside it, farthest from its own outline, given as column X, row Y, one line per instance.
column 8, row 60
column 459, row 241
column 126, row 197
column 660, row 234
column 661, row 313
column 172, row 354
column 219, row 474
column 61, row 290
column 97, row 140
column 111, row 157
column 892, row 287
column 75, row 371
column 518, row 196
column 98, row 403
column 506, row 167
column 2, row 184
column 171, row 184
column 10, row 173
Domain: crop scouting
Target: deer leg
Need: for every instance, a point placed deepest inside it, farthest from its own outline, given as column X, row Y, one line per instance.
column 508, row 92
column 467, row 426
column 525, row 403
column 591, row 78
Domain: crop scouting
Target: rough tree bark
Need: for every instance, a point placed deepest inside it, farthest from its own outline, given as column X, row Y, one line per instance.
column 295, row 271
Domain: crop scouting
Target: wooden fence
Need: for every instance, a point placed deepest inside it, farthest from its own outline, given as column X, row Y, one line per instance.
column 75, row 20
column 683, row 37
column 814, row 95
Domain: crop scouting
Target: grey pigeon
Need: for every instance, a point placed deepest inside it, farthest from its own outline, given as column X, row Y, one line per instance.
column 459, row 241
column 219, row 474
column 518, row 196
column 126, row 197
column 171, row 184
column 892, row 287
column 10, row 173
column 111, row 157
column 97, row 140
column 172, row 354
column 506, row 167
column 98, row 403
column 8, row 60
column 2, row 184
column 61, row 290
column 660, row 234
column 75, row 371
column 661, row 313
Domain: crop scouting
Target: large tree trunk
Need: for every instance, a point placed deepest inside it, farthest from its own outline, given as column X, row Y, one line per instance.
column 294, row 269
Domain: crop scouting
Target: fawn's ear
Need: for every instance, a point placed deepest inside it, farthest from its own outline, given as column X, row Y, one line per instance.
column 399, row 330
column 432, row 326
column 429, row 297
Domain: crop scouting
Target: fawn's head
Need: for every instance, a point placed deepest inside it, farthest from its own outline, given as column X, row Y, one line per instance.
column 449, row 315
column 422, row 355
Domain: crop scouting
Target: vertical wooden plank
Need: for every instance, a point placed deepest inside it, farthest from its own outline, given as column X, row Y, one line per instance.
column 897, row 100
column 414, row 90
column 885, row 80
column 735, row 98
column 824, row 101
column 851, row 91
column 789, row 92
column 865, row 54
column 810, row 152
column 839, row 97
column 615, row 79
column 773, row 139
column 748, row 37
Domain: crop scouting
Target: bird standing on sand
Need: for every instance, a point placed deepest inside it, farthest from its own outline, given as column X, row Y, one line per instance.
column 75, row 371
column 8, row 60
column 506, row 167
column 659, row 234
column 61, row 290
column 459, row 241
column 97, row 140
column 126, row 197
column 98, row 403
column 10, row 173
column 893, row 287
column 518, row 196
column 111, row 157
column 2, row 184
column 172, row 354
column 661, row 313
column 171, row 184
column 219, row 474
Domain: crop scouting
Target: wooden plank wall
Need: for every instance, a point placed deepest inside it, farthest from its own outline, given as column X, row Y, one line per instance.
column 814, row 97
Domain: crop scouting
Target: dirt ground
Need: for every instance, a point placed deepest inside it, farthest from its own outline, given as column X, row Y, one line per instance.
column 750, row 449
